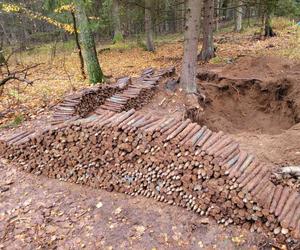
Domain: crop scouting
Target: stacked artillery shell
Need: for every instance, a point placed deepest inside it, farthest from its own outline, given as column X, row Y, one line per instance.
column 123, row 95
column 136, row 96
column 82, row 103
column 168, row 72
column 139, row 92
column 171, row 160
column 16, row 140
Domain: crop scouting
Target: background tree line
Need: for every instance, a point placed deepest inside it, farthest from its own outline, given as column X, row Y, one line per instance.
column 25, row 23
column 110, row 18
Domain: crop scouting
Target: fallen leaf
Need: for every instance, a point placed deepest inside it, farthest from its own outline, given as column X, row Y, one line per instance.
column 204, row 220
column 118, row 210
column 200, row 244
column 27, row 202
column 99, row 204
column 140, row 230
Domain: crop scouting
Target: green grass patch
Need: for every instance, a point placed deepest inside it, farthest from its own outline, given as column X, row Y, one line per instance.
column 217, row 60
column 118, row 38
column 18, row 119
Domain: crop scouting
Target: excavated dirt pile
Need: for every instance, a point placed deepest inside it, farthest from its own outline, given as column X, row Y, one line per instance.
column 259, row 94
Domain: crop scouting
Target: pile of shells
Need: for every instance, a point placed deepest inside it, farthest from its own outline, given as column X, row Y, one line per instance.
column 170, row 160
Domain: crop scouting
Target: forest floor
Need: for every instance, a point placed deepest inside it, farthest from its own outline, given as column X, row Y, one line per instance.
column 263, row 116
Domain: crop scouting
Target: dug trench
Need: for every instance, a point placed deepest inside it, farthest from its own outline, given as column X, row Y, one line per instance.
column 254, row 99
column 234, row 106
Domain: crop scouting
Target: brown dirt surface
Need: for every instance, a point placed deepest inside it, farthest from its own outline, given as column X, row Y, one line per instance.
column 257, row 99
column 265, row 68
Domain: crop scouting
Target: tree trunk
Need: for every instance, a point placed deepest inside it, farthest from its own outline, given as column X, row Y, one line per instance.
column 268, row 28
column 181, row 22
column 148, row 25
column 207, row 51
column 248, row 14
column 191, row 39
column 96, row 11
column 238, row 16
column 2, row 58
column 227, row 11
column 167, row 16
column 88, row 44
column 172, row 19
column 217, row 6
column 118, row 36
column 78, row 46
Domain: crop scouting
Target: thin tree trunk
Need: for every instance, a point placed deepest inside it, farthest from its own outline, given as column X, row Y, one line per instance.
column 268, row 28
column 96, row 11
column 259, row 10
column 78, row 46
column 5, row 33
column 191, row 39
column 166, row 17
column 118, row 36
column 238, row 16
column 227, row 11
column 2, row 58
column 207, row 51
column 172, row 21
column 248, row 14
column 148, row 25
column 217, row 5
column 88, row 44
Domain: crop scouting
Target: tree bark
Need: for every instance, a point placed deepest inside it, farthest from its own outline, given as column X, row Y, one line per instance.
column 148, row 25
column 88, row 44
column 207, row 51
column 268, row 28
column 118, row 36
column 269, row 7
column 227, row 10
column 238, row 16
column 191, row 39
column 217, row 6
column 166, row 17
column 78, row 46
column 2, row 58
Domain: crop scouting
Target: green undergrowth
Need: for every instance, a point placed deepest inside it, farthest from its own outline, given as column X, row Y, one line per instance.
column 17, row 120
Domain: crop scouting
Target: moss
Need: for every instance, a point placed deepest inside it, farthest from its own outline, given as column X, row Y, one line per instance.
column 88, row 45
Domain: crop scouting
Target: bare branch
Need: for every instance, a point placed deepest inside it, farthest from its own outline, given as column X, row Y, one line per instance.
column 19, row 75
